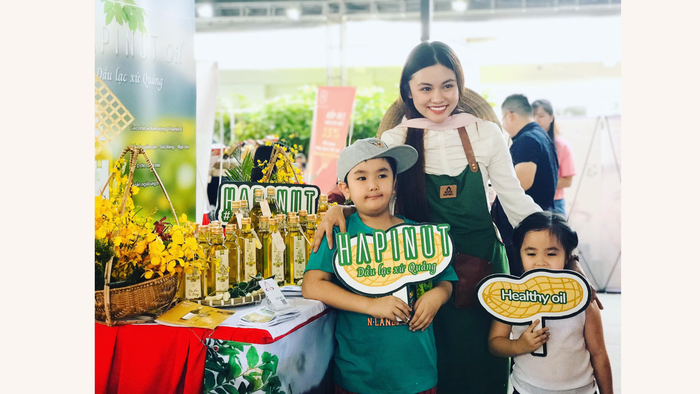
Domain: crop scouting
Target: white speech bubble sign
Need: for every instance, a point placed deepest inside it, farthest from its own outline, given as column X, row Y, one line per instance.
column 417, row 268
column 554, row 292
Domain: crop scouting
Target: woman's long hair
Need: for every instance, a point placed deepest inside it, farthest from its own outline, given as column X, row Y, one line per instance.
column 553, row 129
column 412, row 196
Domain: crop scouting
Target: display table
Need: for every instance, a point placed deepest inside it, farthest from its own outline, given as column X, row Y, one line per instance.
column 293, row 356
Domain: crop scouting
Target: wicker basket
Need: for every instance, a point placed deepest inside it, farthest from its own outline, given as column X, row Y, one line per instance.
column 114, row 304
column 136, row 299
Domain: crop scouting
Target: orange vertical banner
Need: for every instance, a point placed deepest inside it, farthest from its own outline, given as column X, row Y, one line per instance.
column 332, row 116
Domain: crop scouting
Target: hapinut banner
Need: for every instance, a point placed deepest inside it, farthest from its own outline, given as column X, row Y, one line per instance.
column 387, row 261
column 145, row 95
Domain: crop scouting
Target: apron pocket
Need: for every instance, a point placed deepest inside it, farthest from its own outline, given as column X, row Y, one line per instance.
column 470, row 271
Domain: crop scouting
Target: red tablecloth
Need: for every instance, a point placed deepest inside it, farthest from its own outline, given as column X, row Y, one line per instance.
column 151, row 358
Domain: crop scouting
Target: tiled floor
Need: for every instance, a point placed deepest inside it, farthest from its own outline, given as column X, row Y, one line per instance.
column 612, row 325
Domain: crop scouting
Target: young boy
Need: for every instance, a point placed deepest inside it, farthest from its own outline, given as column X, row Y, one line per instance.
column 375, row 353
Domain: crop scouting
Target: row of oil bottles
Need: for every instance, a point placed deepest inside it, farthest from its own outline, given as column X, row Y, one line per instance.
column 257, row 240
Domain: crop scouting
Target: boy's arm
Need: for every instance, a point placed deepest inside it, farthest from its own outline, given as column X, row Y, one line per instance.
column 318, row 285
column 428, row 305
column 595, row 343
column 501, row 345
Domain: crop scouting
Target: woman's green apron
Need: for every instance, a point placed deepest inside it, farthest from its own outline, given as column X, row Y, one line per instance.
column 461, row 335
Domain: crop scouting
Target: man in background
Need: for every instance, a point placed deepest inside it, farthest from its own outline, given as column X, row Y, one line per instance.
column 535, row 160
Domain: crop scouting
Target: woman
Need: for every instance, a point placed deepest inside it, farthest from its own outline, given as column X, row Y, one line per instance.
column 544, row 116
column 460, row 152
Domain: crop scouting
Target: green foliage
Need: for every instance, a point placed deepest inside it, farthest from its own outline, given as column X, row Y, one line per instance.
column 221, row 375
column 291, row 116
column 126, row 12
column 370, row 106
column 241, row 172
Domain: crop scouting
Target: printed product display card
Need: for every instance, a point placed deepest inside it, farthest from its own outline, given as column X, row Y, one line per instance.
column 190, row 314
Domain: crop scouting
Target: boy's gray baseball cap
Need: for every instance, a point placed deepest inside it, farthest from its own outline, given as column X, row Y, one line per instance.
column 374, row 148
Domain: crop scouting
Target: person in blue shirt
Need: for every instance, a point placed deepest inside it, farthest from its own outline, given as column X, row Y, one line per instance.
column 536, row 165
column 376, row 352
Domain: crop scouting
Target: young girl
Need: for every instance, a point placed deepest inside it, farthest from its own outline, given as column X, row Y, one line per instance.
column 576, row 358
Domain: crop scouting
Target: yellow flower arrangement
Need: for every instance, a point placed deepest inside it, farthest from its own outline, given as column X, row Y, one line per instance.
column 285, row 171
column 140, row 248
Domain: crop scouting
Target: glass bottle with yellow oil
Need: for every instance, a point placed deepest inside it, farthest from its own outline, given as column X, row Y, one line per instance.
column 302, row 220
column 272, row 201
column 246, row 244
column 322, row 203
column 282, row 224
column 190, row 287
column 310, row 233
column 263, row 254
column 245, row 209
column 274, row 265
column 295, row 252
column 217, row 272
column 256, row 212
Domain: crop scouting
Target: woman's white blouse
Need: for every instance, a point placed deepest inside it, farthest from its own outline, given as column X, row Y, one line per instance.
column 444, row 155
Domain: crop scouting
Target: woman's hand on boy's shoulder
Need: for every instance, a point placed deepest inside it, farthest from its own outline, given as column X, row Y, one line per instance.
column 334, row 217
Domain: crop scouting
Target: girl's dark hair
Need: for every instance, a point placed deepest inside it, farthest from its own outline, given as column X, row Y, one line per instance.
column 556, row 225
column 412, row 196
column 547, row 107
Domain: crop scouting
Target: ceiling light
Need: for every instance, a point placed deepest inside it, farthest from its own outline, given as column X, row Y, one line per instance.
column 293, row 13
column 205, row 10
column 459, row 5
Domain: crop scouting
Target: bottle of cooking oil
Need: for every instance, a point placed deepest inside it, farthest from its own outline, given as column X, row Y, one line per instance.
column 302, row 220
column 246, row 245
column 322, row 203
column 272, row 201
column 256, row 212
column 190, row 287
column 217, row 273
column 262, row 254
column 282, row 224
column 319, row 218
column 245, row 209
column 232, row 224
column 202, row 236
column 295, row 252
column 274, row 265
column 231, row 243
column 310, row 233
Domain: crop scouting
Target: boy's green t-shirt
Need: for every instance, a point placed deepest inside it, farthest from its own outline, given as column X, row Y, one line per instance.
column 378, row 355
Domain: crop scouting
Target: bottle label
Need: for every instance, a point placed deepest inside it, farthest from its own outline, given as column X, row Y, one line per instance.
column 265, row 207
column 278, row 260
column 258, row 244
column 278, row 241
column 221, row 274
column 249, row 259
column 193, row 285
column 299, row 257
